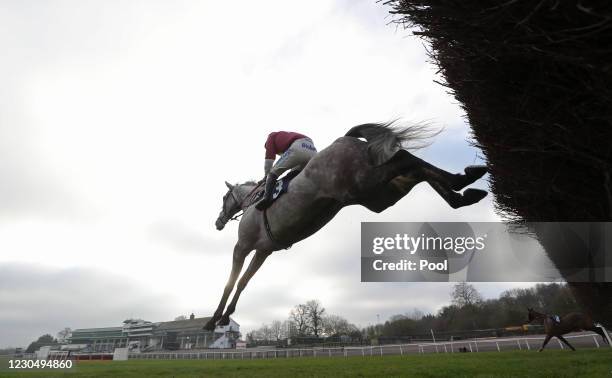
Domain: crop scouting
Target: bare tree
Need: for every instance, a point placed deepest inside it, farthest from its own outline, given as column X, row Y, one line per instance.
column 416, row 314
column 63, row 335
column 465, row 294
column 180, row 317
column 287, row 329
column 299, row 318
column 266, row 332
column 276, row 330
column 337, row 325
column 315, row 313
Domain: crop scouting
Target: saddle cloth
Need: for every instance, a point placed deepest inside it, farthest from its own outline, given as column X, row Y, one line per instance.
column 281, row 187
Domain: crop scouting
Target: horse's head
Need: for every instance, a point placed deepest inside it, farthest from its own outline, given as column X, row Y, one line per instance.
column 531, row 315
column 230, row 207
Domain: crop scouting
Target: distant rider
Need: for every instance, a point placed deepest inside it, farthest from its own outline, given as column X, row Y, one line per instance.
column 295, row 149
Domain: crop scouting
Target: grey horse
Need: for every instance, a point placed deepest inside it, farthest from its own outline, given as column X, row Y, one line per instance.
column 368, row 167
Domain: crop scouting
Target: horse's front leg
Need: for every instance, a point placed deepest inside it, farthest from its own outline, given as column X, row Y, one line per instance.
column 254, row 265
column 566, row 342
column 240, row 253
column 546, row 340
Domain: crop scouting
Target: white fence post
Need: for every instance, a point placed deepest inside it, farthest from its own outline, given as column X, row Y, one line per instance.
column 595, row 339
column 496, row 343
column 605, row 331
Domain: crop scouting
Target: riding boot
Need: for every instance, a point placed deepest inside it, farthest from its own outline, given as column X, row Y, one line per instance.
column 267, row 197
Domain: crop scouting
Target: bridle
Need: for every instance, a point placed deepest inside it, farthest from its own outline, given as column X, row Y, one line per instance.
column 224, row 210
column 240, row 204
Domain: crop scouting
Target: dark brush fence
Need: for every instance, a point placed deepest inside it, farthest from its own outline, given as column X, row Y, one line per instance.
column 534, row 78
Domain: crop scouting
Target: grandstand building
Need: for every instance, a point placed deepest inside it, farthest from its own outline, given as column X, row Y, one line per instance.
column 145, row 336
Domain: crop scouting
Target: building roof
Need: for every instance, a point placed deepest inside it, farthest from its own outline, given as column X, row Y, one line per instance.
column 102, row 329
column 95, row 333
column 181, row 325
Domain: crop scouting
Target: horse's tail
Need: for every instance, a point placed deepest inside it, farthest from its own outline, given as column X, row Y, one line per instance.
column 384, row 140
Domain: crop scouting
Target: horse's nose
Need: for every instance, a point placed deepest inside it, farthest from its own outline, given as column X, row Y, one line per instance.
column 219, row 225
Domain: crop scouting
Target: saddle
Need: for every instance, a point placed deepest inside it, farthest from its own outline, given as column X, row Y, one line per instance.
column 281, row 187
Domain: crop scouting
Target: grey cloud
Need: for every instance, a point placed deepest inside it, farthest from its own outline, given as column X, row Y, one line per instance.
column 25, row 191
column 36, row 300
column 184, row 239
column 27, row 186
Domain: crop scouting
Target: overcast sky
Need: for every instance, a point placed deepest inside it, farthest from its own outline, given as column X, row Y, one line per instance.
column 120, row 121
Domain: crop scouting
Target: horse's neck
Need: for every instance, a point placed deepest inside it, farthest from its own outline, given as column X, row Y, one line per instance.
column 245, row 190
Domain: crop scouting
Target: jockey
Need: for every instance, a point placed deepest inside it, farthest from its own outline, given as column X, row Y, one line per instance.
column 556, row 319
column 295, row 149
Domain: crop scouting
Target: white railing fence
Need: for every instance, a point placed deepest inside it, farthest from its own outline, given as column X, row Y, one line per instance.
column 461, row 346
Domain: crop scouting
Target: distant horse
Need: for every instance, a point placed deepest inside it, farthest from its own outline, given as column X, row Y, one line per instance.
column 572, row 322
column 367, row 167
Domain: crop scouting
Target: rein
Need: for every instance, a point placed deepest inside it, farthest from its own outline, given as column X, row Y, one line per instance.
column 241, row 203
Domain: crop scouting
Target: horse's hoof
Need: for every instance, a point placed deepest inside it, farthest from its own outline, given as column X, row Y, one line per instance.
column 223, row 321
column 471, row 196
column 475, row 171
column 472, row 173
column 209, row 326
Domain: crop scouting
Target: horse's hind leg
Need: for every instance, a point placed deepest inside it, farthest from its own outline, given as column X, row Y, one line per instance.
column 404, row 163
column 454, row 199
column 455, row 181
column 566, row 342
column 240, row 253
column 546, row 340
column 254, row 265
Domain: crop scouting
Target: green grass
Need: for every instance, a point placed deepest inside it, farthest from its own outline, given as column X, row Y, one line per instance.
column 552, row 363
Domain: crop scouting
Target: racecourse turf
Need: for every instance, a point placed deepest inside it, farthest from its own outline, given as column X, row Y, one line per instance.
column 552, row 363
